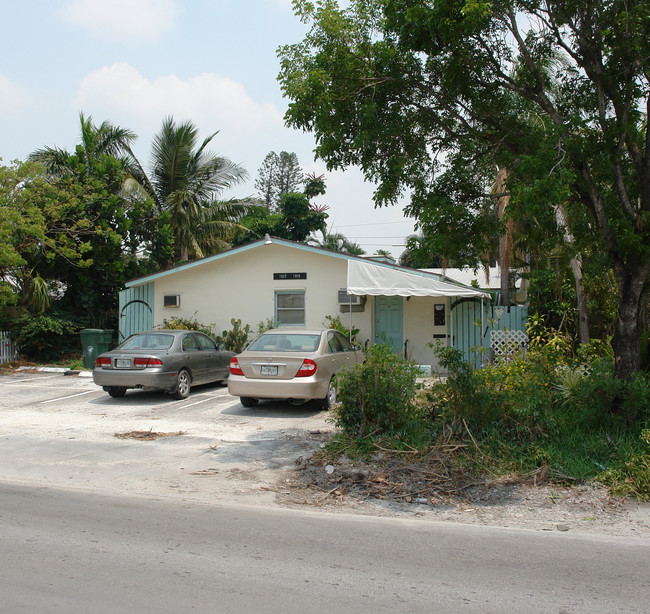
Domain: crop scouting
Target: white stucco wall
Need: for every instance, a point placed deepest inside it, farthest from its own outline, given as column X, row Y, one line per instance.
column 241, row 285
column 419, row 329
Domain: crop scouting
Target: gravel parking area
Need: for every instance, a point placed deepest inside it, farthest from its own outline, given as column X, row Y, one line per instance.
column 64, row 431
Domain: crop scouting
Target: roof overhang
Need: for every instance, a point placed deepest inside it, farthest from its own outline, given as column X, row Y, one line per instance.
column 376, row 280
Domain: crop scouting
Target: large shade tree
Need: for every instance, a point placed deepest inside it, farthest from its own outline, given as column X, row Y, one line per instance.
column 432, row 96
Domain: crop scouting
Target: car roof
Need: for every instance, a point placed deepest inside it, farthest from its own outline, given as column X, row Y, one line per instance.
column 299, row 331
column 164, row 331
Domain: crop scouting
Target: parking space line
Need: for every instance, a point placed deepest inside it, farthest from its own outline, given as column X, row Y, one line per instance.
column 70, row 396
column 198, row 402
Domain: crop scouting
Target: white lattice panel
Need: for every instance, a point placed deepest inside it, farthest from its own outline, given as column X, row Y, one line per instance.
column 507, row 343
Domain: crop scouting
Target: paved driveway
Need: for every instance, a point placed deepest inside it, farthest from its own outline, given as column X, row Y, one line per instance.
column 59, row 430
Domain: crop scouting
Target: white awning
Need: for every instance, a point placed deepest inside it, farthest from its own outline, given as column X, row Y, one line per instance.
column 366, row 278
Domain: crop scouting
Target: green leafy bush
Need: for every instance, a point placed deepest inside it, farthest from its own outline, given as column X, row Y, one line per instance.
column 187, row 324
column 269, row 324
column 45, row 337
column 602, row 399
column 377, row 396
column 336, row 323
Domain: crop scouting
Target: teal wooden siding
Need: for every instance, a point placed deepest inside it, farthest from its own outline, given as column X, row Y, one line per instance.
column 136, row 309
column 472, row 338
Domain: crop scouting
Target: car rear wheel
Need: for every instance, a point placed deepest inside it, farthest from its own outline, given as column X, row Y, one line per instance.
column 330, row 397
column 248, row 401
column 117, row 392
column 183, row 385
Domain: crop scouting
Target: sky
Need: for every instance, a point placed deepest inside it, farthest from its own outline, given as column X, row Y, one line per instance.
column 136, row 62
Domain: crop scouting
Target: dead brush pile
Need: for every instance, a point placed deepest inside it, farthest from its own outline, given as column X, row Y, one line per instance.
column 406, row 476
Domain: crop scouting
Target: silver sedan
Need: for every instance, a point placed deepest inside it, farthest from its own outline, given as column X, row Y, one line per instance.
column 293, row 364
column 169, row 360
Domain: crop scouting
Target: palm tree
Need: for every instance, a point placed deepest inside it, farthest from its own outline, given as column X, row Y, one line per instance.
column 338, row 242
column 95, row 141
column 184, row 180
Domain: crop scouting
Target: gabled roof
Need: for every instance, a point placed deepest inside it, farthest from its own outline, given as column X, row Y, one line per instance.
column 403, row 278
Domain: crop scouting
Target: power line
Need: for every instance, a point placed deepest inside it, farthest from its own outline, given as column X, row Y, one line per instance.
column 372, row 224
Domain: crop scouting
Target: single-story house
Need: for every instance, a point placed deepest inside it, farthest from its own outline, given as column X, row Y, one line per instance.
column 295, row 284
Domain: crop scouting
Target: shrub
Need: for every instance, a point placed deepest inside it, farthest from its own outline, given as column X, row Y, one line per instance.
column 45, row 337
column 187, row 324
column 378, row 395
column 336, row 323
column 263, row 326
column 513, row 395
column 601, row 399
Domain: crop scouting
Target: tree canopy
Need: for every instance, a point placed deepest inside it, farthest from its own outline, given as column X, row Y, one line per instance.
column 279, row 174
column 430, row 98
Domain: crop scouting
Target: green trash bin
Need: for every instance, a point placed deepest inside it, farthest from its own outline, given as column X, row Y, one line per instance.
column 94, row 341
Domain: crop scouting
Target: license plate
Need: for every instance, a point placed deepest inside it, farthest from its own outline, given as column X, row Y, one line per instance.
column 122, row 363
column 268, row 370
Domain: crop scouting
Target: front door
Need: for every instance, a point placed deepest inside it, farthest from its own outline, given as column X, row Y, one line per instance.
column 389, row 322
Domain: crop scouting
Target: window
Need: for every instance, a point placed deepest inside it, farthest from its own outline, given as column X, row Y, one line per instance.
column 290, row 308
column 172, row 300
column 189, row 343
column 205, row 343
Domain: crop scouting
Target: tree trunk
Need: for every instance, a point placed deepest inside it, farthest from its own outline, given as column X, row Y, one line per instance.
column 626, row 341
column 581, row 300
column 576, row 267
column 505, row 241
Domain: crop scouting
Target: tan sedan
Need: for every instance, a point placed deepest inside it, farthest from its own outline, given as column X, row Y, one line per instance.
column 293, row 364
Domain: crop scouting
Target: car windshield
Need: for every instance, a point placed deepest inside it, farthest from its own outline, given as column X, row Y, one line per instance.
column 151, row 341
column 291, row 342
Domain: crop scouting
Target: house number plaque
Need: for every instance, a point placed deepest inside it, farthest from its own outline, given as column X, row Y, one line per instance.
column 289, row 275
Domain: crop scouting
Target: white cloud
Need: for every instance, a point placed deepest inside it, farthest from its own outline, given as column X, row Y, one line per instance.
column 13, row 97
column 205, row 99
column 122, row 94
column 122, row 20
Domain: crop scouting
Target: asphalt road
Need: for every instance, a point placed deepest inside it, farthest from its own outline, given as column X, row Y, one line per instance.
column 90, row 522
column 66, row 551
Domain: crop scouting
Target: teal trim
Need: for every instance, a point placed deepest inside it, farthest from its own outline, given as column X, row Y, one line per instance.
column 299, row 246
column 279, row 309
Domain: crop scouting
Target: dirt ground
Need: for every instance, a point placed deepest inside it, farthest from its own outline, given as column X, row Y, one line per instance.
column 392, row 486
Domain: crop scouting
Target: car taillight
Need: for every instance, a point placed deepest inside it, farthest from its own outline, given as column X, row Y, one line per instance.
column 235, row 369
column 103, row 362
column 147, row 362
column 307, row 368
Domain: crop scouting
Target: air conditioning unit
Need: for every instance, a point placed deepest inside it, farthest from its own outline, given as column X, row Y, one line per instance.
column 171, row 300
column 348, row 299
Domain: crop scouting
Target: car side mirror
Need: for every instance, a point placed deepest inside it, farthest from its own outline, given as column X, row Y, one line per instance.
column 357, row 347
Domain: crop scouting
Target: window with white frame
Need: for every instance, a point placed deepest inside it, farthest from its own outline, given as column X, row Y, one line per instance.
column 290, row 307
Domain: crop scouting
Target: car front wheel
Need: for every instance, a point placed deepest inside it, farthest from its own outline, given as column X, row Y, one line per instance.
column 248, row 401
column 183, row 385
